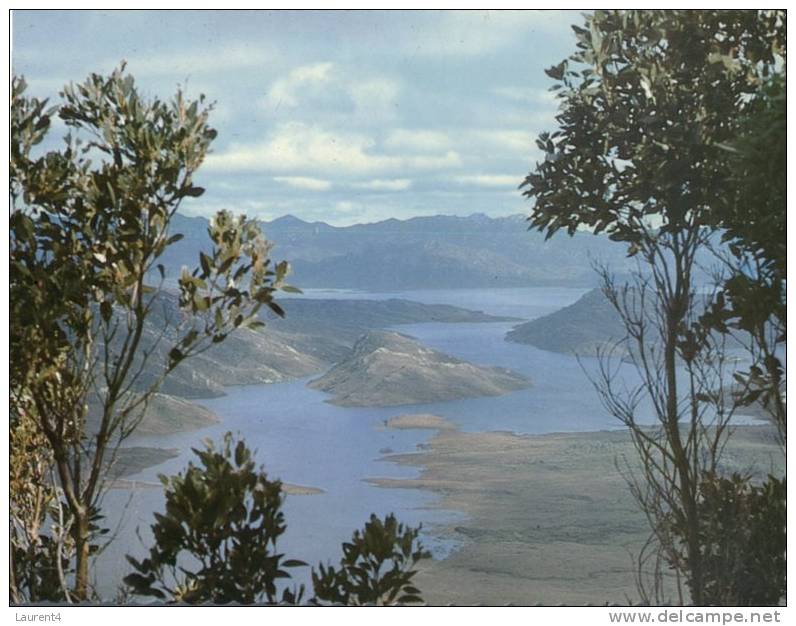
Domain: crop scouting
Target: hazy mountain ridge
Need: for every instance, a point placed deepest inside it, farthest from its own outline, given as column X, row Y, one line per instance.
column 391, row 369
column 436, row 252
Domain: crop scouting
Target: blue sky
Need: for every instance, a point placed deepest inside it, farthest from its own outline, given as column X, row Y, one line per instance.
column 336, row 116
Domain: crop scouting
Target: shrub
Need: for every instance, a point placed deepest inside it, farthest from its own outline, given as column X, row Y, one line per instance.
column 376, row 567
column 216, row 542
column 742, row 540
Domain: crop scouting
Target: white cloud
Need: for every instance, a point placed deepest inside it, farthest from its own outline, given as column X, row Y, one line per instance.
column 490, row 180
column 328, row 86
column 299, row 147
column 344, row 206
column 377, row 97
column 305, row 149
column 470, row 33
column 285, row 91
column 203, row 61
column 395, row 184
column 539, row 97
column 417, row 140
column 450, row 159
column 517, row 141
column 304, row 182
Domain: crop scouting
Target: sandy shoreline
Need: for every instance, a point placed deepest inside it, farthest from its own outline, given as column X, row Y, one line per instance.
column 135, row 459
column 548, row 518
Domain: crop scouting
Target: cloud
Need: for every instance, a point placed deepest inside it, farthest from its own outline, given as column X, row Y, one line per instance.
column 205, row 61
column 304, row 182
column 396, row 184
column 451, row 159
column 516, row 141
column 299, row 147
column 285, row 91
column 539, row 97
column 417, row 140
column 375, row 98
column 490, row 180
column 307, row 149
column 473, row 33
column 345, row 206
column 327, row 86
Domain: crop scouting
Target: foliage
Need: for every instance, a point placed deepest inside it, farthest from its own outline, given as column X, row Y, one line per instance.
column 752, row 302
column 649, row 102
column 88, row 225
column 743, row 540
column 216, row 541
column 32, row 572
column 376, row 567
column 754, row 212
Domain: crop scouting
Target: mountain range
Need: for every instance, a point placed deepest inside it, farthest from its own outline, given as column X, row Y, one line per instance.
column 437, row 252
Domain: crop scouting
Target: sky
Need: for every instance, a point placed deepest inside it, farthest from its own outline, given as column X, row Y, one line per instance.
column 337, row 116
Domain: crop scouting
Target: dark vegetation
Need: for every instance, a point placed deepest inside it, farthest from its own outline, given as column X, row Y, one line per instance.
column 663, row 117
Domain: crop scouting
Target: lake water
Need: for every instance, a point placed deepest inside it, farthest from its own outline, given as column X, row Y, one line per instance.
column 302, row 439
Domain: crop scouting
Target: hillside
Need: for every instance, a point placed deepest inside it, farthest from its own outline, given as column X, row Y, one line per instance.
column 580, row 328
column 169, row 414
column 389, row 369
column 343, row 321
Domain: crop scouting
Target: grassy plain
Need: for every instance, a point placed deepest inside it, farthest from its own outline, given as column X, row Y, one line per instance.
column 548, row 518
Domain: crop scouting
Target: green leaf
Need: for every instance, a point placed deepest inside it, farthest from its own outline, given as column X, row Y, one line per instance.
column 106, row 311
column 176, row 355
column 194, row 192
column 205, row 262
column 276, row 308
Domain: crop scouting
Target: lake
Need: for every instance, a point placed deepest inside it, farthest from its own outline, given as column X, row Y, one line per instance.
column 302, row 439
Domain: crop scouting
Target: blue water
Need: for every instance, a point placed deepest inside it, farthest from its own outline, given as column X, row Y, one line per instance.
column 302, row 439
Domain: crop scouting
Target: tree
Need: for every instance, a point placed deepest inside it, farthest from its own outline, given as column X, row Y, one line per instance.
column 743, row 540
column 225, row 516
column 649, row 101
column 753, row 217
column 39, row 560
column 88, row 225
column 376, row 567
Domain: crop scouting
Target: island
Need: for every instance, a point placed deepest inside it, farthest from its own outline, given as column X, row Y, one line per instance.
column 387, row 368
column 584, row 328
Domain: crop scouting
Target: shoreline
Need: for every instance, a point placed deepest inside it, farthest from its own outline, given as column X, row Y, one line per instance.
column 135, row 459
column 547, row 518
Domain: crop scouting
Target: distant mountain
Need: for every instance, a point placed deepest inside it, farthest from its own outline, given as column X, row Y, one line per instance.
column 581, row 328
column 341, row 322
column 389, row 369
column 419, row 253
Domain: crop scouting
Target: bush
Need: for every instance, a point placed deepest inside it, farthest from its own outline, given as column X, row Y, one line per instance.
column 376, row 567
column 742, row 540
column 223, row 518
